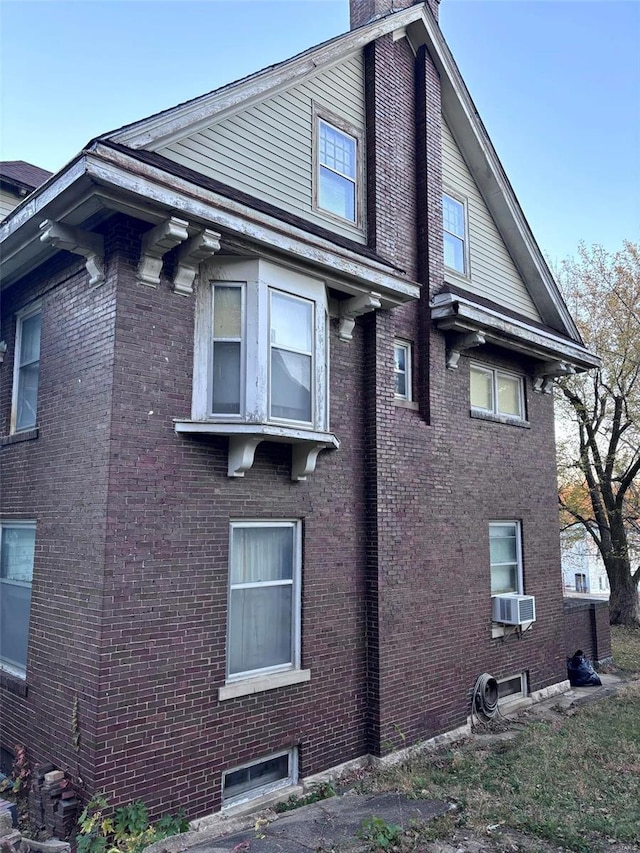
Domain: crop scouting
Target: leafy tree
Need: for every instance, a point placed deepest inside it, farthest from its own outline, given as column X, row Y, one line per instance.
column 599, row 442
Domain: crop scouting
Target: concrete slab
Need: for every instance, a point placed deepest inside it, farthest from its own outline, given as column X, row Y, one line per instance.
column 325, row 824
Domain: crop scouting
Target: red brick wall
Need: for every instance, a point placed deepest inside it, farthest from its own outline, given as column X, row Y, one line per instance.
column 363, row 11
column 586, row 627
column 130, row 587
column 60, row 480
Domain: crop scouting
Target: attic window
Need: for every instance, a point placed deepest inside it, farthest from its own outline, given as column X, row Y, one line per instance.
column 454, row 221
column 337, row 171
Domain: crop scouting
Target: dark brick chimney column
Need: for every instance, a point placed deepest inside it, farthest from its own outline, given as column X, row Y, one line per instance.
column 363, row 11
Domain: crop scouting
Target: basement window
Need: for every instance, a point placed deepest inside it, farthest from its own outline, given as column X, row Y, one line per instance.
column 258, row 778
column 511, row 689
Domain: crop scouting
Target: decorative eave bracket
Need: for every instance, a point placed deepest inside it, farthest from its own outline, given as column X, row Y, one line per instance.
column 155, row 244
column 191, row 255
column 304, row 454
column 543, row 380
column 79, row 242
column 461, row 343
column 353, row 308
column 3, row 349
column 245, row 438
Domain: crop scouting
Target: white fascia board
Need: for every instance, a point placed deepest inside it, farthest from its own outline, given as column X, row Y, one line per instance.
column 483, row 162
column 452, row 312
column 121, row 182
column 154, row 186
column 156, row 131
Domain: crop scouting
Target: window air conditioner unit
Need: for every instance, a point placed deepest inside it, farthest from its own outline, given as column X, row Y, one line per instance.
column 514, row 609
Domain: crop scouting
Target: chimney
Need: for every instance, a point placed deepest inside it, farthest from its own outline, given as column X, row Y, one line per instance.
column 364, row 11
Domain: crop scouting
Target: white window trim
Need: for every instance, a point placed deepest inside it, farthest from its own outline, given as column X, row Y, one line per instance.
column 243, row 372
column 408, row 372
column 520, row 577
column 21, row 316
column 513, row 697
column 320, row 114
column 466, row 255
column 259, row 278
column 268, row 678
column 494, row 413
column 6, row 667
column 247, row 796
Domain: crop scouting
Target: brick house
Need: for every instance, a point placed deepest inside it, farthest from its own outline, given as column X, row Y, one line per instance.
column 276, row 431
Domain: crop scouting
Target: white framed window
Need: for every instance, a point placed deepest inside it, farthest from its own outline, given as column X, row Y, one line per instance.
column 402, row 368
column 581, row 582
column 512, row 688
column 496, row 392
column 337, row 170
column 261, row 346
column 263, row 635
column 227, row 353
column 26, row 369
column 291, row 357
column 17, row 548
column 454, row 223
column 259, row 777
column 505, row 548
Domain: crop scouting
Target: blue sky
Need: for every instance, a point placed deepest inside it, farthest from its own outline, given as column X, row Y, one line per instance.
column 556, row 82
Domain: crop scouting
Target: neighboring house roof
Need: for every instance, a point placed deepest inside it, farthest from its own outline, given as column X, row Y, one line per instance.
column 22, row 174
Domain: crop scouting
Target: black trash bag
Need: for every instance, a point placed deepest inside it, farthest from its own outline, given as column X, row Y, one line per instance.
column 581, row 672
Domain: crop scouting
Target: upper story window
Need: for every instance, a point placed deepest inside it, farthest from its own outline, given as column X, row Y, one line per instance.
column 17, row 546
column 337, row 171
column 402, row 369
column 26, row 370
column 496, row 392
column 454, row 222
column 505, row 546
column 261, row 347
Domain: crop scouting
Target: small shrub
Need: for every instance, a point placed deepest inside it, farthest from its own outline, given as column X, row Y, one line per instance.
column 381, row 834
column 128, row 831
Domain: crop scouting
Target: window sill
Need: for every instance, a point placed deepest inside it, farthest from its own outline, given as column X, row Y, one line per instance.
column 244, row 439
column 13, row 683
column 500, row 419
column 407, row 404
column 261, row 683
column 17, row 437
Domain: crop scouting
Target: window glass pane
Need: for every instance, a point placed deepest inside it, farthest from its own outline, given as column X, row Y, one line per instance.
column 262, row 554
column 257, row 776
column 337, row 150
column 481, row 389
column 261, row 628
column 337, row 194
column 290, row 385
column 30, row 339
column 401, row 385
column 510, row 687
column 27, row 398
column 291, row 322
column 453, row 252
column 16, row 553
column 509, row 395
column 504, row 579
column 453, row 216
column 400, row 358
column 16, row 574
column 227, row 312
column 226, row 377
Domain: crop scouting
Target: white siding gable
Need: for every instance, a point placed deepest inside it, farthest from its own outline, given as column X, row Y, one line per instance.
column 266, row 149
column 493, row 273
column 8, row 201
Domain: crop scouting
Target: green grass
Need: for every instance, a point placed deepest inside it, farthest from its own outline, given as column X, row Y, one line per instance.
column 574, row 783
column 625, row 645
